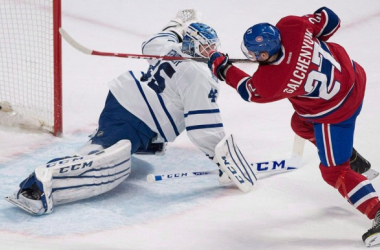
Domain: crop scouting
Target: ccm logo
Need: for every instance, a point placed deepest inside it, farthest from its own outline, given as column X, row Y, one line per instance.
column 75, row 167
column 264, row 166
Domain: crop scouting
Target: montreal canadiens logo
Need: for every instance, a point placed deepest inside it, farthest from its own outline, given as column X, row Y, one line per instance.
column 259, row 39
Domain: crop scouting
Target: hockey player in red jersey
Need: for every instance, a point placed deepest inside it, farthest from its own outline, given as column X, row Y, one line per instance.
column 325, row 87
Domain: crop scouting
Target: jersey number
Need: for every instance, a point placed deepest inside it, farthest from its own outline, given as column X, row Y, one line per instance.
column 321, row 83
column 154, row 78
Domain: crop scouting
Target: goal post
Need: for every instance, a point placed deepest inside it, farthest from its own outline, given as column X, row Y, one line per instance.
column 57, row 128
column 31, row 63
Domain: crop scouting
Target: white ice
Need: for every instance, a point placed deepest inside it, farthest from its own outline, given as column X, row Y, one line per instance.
column 295, row 210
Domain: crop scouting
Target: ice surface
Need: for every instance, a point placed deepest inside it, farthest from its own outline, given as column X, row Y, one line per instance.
column 295, row 210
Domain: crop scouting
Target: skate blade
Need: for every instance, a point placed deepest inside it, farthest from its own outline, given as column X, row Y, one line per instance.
column 372, row 240
column 21, row 205
column 371, row 174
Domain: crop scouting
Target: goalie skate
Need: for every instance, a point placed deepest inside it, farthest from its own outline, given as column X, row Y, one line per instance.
column 31, row 206
column 360, row 165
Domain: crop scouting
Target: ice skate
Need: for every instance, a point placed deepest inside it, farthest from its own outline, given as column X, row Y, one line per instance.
column 372, row 236
column 29, row 200
column 360, row 165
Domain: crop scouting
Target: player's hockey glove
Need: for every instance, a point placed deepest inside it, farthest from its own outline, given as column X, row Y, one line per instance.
column 219, row 63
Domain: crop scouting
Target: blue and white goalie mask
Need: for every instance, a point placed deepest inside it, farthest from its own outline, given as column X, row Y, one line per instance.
column 199, row 40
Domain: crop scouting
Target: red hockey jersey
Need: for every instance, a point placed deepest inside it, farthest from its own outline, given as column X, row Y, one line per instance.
column 317, row 77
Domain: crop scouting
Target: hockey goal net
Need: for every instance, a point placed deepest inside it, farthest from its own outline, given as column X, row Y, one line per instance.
column 30, row 64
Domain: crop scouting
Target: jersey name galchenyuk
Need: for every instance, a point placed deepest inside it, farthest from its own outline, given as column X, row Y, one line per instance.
column 303, row 62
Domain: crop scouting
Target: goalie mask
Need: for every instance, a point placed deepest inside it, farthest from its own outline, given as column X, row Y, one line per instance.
column 262, row 37
column 199, row 40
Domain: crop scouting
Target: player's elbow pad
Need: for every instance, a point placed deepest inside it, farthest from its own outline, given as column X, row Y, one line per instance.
column 332, row 20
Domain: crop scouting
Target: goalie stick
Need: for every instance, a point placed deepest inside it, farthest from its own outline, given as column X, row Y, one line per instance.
column 275, row 166
column 88, row 51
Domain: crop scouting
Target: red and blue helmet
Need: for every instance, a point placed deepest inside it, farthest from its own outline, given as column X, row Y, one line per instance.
column 262, row 37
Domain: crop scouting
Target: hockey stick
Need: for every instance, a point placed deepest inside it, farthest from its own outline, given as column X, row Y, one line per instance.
column 153, row 178
column 88, row 51
column 276, row 166
column 282, row 164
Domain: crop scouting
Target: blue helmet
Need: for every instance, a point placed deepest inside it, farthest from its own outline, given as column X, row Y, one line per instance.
column 199, row 39
column 262, row 37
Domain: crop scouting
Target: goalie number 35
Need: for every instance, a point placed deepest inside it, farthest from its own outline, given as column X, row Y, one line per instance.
column 155, row 80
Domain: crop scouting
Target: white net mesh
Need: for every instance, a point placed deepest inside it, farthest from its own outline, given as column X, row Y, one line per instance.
column 27, row 58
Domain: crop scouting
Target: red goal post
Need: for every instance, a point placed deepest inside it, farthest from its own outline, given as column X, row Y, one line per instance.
column 31, row 63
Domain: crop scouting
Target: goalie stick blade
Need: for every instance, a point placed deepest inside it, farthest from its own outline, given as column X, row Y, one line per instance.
column 23, row 206
column 371, row 174
column 152, row 178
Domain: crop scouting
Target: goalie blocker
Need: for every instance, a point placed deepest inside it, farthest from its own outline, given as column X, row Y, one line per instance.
column 233, row 163
column 73, row 178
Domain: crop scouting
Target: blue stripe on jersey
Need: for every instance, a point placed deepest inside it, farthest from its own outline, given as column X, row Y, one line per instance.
column 169, row 35
column 205, row 111
column 332, row 110
column 217, row 125
column 365, row 190
column 325, row 48
column 168, row 115
column 243, row 91
column 149, row 107
column 332, row 21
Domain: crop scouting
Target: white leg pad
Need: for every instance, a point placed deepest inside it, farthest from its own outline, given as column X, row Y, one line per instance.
column 83, row 177
column 233, row 163
column 75, row 178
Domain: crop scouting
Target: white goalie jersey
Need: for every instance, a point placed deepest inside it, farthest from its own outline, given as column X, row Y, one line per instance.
column 173, row 95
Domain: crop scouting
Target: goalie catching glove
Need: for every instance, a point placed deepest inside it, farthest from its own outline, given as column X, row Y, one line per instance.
column 232, row 162
column 181, row 21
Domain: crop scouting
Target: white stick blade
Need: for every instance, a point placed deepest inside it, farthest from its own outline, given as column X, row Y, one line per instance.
column 151, row 178
column 74, row 43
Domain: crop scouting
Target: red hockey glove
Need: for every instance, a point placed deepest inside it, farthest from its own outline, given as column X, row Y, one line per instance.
column 218, row 62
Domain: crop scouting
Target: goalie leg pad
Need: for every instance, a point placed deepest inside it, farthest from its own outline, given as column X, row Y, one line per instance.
column 233, row 163
column 83, row 177
column 76, row 178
